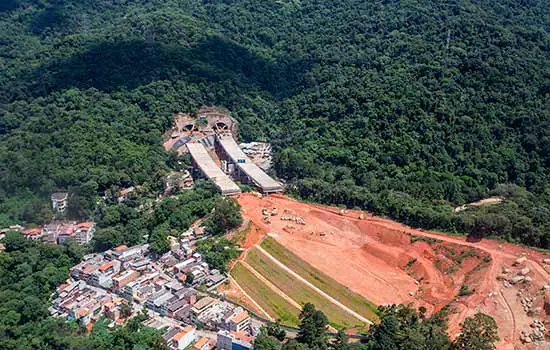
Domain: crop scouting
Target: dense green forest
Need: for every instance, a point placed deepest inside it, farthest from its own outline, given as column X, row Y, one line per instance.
column 400, row 328
column 405, row 108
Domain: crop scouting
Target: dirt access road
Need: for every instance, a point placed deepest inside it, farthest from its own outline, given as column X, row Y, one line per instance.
column 391, row 263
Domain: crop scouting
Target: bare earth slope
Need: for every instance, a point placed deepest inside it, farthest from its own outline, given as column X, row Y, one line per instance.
column 387, row 262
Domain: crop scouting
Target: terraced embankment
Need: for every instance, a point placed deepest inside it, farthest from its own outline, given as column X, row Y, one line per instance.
column 299, row 291
column 275, row 305
column 325, row 283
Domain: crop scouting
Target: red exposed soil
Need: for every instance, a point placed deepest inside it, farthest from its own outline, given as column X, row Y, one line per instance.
column 375, row 258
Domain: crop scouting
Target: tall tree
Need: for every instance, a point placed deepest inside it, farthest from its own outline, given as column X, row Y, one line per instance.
column 313, row 327
column 226, row 216
column 478, row 333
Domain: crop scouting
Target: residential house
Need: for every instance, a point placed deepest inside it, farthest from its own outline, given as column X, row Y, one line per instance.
column 32, row 234
column 123, row 194
column 59, row 201
column 214, row 278
column 203, row 305
column 202, row 344
column 129, row 253
column 173, row 307
column 157, row 301
column 238, row 321
column 65, row 232
column 50, row 233
column 189, row 294
column 170, row 333
column 184, row 338
column 84, row 232
column 103, row 276
column 124, row 278
column 233, row 341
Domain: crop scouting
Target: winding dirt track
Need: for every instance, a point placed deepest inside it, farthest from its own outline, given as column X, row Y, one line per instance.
column 369, row 254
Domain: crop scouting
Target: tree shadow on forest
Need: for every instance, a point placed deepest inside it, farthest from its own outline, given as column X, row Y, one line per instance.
column 8, row 5
column 130, row 64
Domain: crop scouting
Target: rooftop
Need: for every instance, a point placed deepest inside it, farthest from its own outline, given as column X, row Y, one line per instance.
column 106, row 266
column 204, row 302
column 183, row 333
column 85, row 225
column 170, row 334
column 32, row 231
column 201, row 342
column 241, row 316
column 242, row 336
column 60, row 196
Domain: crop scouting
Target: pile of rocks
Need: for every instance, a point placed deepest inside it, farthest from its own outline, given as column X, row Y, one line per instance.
column 535, row 334
column 297, row 219
column 527, row 303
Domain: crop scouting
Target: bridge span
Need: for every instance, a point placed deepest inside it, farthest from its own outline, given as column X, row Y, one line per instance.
column 204, row 162
column 247, row 171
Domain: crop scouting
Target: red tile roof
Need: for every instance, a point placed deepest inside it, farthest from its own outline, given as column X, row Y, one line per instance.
column 32, row 231
column 183, row 333
column 241, row 316
column 242, row 336
column 120, row 248
column 83, row 312
column 86, row 225
column 201, row 342
column 106, row 266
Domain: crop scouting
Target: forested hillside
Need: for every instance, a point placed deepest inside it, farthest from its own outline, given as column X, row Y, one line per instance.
column 405, row 108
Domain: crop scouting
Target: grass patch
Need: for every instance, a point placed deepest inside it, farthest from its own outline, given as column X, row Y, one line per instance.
column 465, row 290
column 411, row 262
column 320, row 280
column 299, row 292
column 453, row 268
column 429, row 240
column 240, row 236
column 271, row 302
column 470, row 253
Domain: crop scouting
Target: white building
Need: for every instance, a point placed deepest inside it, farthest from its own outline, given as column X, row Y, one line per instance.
column 59, row 201
column 84, row 232
column 184, row 338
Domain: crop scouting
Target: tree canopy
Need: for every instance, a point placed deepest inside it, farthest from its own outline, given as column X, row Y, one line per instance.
column 401, row 328
column 404, row 108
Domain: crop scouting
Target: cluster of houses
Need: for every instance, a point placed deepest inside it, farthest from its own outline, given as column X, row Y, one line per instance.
column 234, row 332
column 103, row 284
column 234, row 328
column 60, row 231
column 57, row 232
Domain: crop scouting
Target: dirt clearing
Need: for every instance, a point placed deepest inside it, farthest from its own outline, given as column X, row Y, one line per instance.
column 387, row 262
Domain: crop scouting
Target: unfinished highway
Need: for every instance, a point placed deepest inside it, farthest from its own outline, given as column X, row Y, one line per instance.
column 246, row 168
column 211, row 170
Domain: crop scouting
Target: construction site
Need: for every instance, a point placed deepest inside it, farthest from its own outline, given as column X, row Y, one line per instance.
column 349, row 261
column 209, row 136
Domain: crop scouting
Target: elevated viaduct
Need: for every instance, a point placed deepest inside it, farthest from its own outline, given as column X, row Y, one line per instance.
column 203, row 162
column 245, row 169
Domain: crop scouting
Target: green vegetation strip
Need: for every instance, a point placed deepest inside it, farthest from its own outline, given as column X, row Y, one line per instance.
column 271, row 302
column 328, row 285
column 300, row 292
